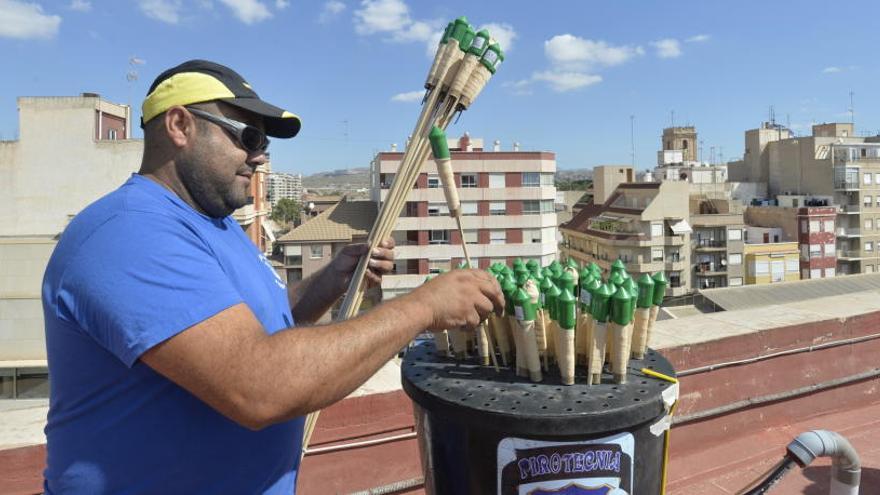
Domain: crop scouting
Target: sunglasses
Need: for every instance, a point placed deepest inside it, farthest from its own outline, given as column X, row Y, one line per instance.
column 252, row 139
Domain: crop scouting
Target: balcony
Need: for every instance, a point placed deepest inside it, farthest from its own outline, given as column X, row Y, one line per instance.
column 710, row 269
column 848, row 232
column 849, row 255
column 673, row 240
column 850, row 209
column 707, row 245
column 846, row 185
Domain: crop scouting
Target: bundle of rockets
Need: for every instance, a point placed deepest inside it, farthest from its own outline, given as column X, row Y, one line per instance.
column 567, row 314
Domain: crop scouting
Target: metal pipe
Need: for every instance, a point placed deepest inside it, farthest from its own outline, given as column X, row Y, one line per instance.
column 363, row 443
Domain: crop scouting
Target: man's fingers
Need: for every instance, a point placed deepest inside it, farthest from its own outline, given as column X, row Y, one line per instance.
column 381, row 253
column 381, row 267
column 387, row 243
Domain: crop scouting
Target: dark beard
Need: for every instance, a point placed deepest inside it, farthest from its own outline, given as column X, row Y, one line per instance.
column 213, row 196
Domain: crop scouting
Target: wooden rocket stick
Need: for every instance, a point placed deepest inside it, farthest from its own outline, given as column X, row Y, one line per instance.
column 541, row 337
column 640, row 332
column 441, row 341
column 621, row 332
column 526, row 313
column 495, row 326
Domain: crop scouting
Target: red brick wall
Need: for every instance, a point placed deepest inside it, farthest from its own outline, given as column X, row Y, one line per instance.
column 484, row 263
column 423, row 208
column 457, row 179
column 422, row 181
column 483, row 179
column 514, row 207
column 423, row 267
column 423, row 238
column 514, row 236
column 483, row 208
column 455, row 237
column 483, row 236
column 513, row 179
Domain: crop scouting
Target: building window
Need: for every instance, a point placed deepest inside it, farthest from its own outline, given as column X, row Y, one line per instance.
column 433, row 181
column 869, row 224
column 878, row 200
column 656, row 254
column 867, row 200
column 437, row 209
column 736, row 281
column 469, row 208
column 469, row 180
column 815, row 250
column 877, row 179
column 829, row 249
column 531, row 179
column 735, row 259
column 497, row 181
column 316, row 251
column 656, row 230
column 547, row 206
column 531, row 207
column 866, row 179
column 762, row 267
column 815, row 226
column 734, row 235
column 438, row 266
column 471, row 237
column 792, row 265
column 438, row 237
column 412, row 209
column 816, row 273
column 829, row 272
column 497, row 208
column 111, row 134
column 532, row 236
column 548, row 179
column 497, row 236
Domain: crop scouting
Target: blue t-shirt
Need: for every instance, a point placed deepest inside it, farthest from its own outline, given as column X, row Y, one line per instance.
column 133, row 269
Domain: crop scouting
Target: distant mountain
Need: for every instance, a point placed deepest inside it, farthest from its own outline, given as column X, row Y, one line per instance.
column 574, row 174
column 342, row 181
column 341, row 172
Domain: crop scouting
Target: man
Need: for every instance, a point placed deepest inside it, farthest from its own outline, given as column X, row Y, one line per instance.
column 178, row 359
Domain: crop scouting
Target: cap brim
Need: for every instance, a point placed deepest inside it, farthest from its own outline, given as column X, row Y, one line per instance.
column 279, row 123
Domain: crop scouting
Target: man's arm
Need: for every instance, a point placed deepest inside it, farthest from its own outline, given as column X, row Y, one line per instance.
column 257, row 379
column 313, row 296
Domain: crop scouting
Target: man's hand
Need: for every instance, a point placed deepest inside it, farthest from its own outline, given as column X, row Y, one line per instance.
column 381, row 262
column 460, row 298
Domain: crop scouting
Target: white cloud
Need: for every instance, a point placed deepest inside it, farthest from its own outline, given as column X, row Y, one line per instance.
column 282, row 4
column 80, row 5
column 167, row 11
column 409, row 96
column 831, row 70
column 667, row 48
column 24, row 20
column 331, row 9
column 521, row 87
column 248, row 11
column 391, row 18
column 700, row 38
column 503, row 33
column 577, row 54
column 562, row 81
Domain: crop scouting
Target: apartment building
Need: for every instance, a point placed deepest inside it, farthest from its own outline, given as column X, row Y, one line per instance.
column 809, row 221
column 606, row 178
column 282, row 185
column 251, row 217
column 831, row 162
column 645, row 225
column 716, row 241
column 771, row 262
column 507, row 200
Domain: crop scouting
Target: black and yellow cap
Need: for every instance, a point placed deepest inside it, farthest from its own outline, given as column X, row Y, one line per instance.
column 198, row 81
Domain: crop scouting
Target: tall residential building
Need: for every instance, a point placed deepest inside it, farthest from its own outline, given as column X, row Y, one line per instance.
column 808, row 221
column 645, row 225
column 831, row 162
column 716, row 242
column 606, row 178
column 507, row 205
column 282, row 185
column 252, row 215
column 70, row 151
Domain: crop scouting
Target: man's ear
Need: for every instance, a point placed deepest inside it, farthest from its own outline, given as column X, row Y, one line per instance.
column 180, row 126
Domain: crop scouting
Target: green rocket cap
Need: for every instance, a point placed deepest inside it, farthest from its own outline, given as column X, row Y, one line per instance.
column 523, row 307
column 447, row 33
column 572, row 263
column 522, row 277
column 459, row 29
column 566, row 306
column 533, row 265
column 634, row 294
column 616, row 278
column 587, row 292
column 468, row 39
column 600, row 305
column 597, row 272
column 492, row 58
column 584, row 274
column 625, row 275
column 463, row 266
column 566, row 281
column 629, row 284
column 660, row 283
column 550, row 297
column 618, row 265
column 547, row 272
column 508, row 288
column 517, row 263
column 479, row 43
column 646, row 291
column 621, row 306
column 439, row 145
column 556, row 266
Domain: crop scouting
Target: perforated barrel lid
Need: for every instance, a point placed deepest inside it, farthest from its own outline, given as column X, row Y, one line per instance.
column 479, row 397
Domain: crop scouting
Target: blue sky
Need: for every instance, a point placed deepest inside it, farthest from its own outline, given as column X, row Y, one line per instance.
column 574, row 74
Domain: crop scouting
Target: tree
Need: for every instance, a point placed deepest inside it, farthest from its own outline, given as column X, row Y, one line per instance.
column 286, row 211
